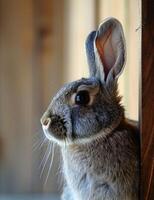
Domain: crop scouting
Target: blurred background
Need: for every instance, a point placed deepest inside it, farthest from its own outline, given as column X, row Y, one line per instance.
column 41, row 48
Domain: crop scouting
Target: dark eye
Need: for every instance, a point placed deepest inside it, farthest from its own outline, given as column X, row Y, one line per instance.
column 82, row 98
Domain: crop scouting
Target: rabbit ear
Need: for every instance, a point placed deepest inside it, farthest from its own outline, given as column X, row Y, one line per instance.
column 105, row 50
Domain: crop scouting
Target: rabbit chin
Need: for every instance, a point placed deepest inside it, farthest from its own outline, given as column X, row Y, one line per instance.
column 81, row 140
column 97, row 136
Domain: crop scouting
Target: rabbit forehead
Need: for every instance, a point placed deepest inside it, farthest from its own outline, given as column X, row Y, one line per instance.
column 73, row 86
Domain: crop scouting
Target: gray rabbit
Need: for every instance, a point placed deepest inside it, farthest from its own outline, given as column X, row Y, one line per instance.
column 100, row 148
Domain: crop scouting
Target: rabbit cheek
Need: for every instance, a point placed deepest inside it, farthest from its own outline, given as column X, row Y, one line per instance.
column 85, row 123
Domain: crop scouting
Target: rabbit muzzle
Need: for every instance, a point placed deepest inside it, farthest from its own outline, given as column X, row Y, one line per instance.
column 54, row 126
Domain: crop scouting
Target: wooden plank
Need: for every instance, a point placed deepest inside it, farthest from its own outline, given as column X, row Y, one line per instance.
column 30, row 74
column 47, row 73
column 147, row 124
column 16, row 44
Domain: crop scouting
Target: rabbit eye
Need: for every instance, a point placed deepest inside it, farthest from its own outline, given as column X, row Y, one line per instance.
column 82, row 98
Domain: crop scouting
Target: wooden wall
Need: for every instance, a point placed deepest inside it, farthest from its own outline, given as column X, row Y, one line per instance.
column 30, row 73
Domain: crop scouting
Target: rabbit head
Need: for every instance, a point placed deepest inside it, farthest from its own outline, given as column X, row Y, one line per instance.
column 90, row 107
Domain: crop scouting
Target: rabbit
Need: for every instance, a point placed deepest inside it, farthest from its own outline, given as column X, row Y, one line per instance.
column 99, row 146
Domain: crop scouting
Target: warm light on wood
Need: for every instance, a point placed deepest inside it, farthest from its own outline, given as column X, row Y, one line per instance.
column 85, row 16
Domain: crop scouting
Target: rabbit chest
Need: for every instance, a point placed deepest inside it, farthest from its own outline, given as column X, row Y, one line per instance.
column 103, row 169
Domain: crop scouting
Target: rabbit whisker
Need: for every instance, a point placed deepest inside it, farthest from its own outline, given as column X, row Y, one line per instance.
column 51, row 162
column 59, row 174
column 47, row 158
column 44, row 141
column 38, row 144
column 45, row 155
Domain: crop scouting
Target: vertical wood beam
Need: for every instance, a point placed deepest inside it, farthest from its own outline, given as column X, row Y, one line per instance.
column 16, row 114
column 147, row 124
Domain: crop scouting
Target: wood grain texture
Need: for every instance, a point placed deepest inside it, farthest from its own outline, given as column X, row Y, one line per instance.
column 147, row 146
column 30, row 67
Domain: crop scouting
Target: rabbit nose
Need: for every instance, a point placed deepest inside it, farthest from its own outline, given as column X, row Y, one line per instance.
column 46, row 122
column 54, row 125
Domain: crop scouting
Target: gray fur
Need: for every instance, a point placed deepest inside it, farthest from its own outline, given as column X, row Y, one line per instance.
column 100, row 148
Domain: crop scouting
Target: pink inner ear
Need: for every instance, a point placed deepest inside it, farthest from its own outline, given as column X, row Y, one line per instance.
column 106, row 50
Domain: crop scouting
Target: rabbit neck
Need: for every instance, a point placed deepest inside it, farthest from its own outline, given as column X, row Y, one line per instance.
column 90, row 165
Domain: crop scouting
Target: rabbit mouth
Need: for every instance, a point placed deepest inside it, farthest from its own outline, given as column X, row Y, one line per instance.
column 54, row 128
